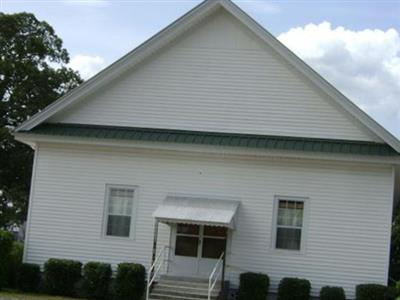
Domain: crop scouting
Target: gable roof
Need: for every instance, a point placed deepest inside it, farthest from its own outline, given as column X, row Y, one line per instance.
column 179, row 27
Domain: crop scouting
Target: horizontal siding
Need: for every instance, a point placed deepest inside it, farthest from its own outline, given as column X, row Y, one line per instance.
column 348, row 223
column 219, row 77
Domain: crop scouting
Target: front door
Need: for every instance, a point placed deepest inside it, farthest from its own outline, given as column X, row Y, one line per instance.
column 196, row 249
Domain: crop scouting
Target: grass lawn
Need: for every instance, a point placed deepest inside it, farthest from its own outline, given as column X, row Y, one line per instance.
column 13, row 295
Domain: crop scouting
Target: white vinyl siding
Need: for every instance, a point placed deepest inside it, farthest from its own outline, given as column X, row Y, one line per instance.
column 349, row 210
column 119, row 218
column 218, row 77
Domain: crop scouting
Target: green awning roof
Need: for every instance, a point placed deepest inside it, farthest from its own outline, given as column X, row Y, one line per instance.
column 215, row 138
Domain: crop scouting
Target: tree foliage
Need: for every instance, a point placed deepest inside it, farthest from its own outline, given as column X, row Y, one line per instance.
column 33, row 73
column 395, row 248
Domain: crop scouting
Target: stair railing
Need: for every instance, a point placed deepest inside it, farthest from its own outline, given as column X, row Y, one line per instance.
column 159, row 262
column 215, row 274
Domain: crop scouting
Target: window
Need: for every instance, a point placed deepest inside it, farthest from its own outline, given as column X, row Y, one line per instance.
column 190, row 239
column 214, row 242
column 187, row 240
column 289, row 224
column 119, row 211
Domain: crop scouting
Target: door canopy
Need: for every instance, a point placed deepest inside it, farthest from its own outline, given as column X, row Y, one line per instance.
column 196, row 210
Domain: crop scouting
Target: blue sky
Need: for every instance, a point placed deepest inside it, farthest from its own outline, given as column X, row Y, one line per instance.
column 354, row 44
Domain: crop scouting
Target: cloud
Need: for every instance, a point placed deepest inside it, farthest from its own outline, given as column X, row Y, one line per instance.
column 87, row 65
column 260, row 6
column 364, row 65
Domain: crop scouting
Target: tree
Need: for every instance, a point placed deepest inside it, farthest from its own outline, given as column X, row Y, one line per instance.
column 33, row 73
column 395, row 248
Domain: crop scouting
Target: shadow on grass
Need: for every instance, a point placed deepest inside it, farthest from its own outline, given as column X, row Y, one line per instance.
column 16, row 295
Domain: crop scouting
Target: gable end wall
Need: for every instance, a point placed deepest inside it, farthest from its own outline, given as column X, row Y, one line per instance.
column 218, row 77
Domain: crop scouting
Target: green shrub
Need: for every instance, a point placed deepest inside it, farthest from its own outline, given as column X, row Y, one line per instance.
column 111, row 289
column 397, row 287
column 253, row 286
column 332, row 293
column 370, row 292
column 6, row 240
column 96, row 280
column 61, row 275
column 14, row 263
column 130, row 281
column 28, row 277
column 391, row 293
column 294, row 289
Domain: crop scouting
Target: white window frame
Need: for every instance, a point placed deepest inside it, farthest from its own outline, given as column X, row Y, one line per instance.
column 304, row 229
column 132, row 228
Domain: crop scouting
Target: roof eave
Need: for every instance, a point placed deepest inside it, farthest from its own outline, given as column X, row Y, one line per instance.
column 91, row 132
column 34, row 139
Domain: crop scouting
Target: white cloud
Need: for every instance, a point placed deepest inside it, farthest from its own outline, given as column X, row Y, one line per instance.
column 364, row 65
column 87, row 65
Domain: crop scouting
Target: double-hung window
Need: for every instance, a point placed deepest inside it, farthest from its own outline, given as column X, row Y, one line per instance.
column 120, row 209
column 289, row 224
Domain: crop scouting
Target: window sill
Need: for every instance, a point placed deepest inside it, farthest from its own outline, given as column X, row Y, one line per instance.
column 287, row 252
column 117, row 238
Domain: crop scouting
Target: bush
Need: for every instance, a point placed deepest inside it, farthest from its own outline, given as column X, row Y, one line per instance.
column 6, row 240
column 332, row 293
column 370, row 292
column 111, row 289
column 391, row 293
column 294, row 289
column 253, row 286
column 28, row 277
column 14, row 263
column 130, row 281
column 61, row 275
column 96, row 280
column 397, row 287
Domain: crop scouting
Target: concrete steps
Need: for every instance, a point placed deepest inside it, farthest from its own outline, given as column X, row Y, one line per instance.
column 179, row 288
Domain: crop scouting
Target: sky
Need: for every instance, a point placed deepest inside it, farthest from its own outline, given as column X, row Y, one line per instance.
column 354, row 44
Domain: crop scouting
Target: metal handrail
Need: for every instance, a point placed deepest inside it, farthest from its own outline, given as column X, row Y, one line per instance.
column 211, row 282
column 154, row 269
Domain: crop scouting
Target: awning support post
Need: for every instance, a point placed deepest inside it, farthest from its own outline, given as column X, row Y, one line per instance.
column 155, row 238
column 223, row 270
column 223, row 273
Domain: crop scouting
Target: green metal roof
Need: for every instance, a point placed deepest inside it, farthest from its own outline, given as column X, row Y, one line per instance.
column 215, row 138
